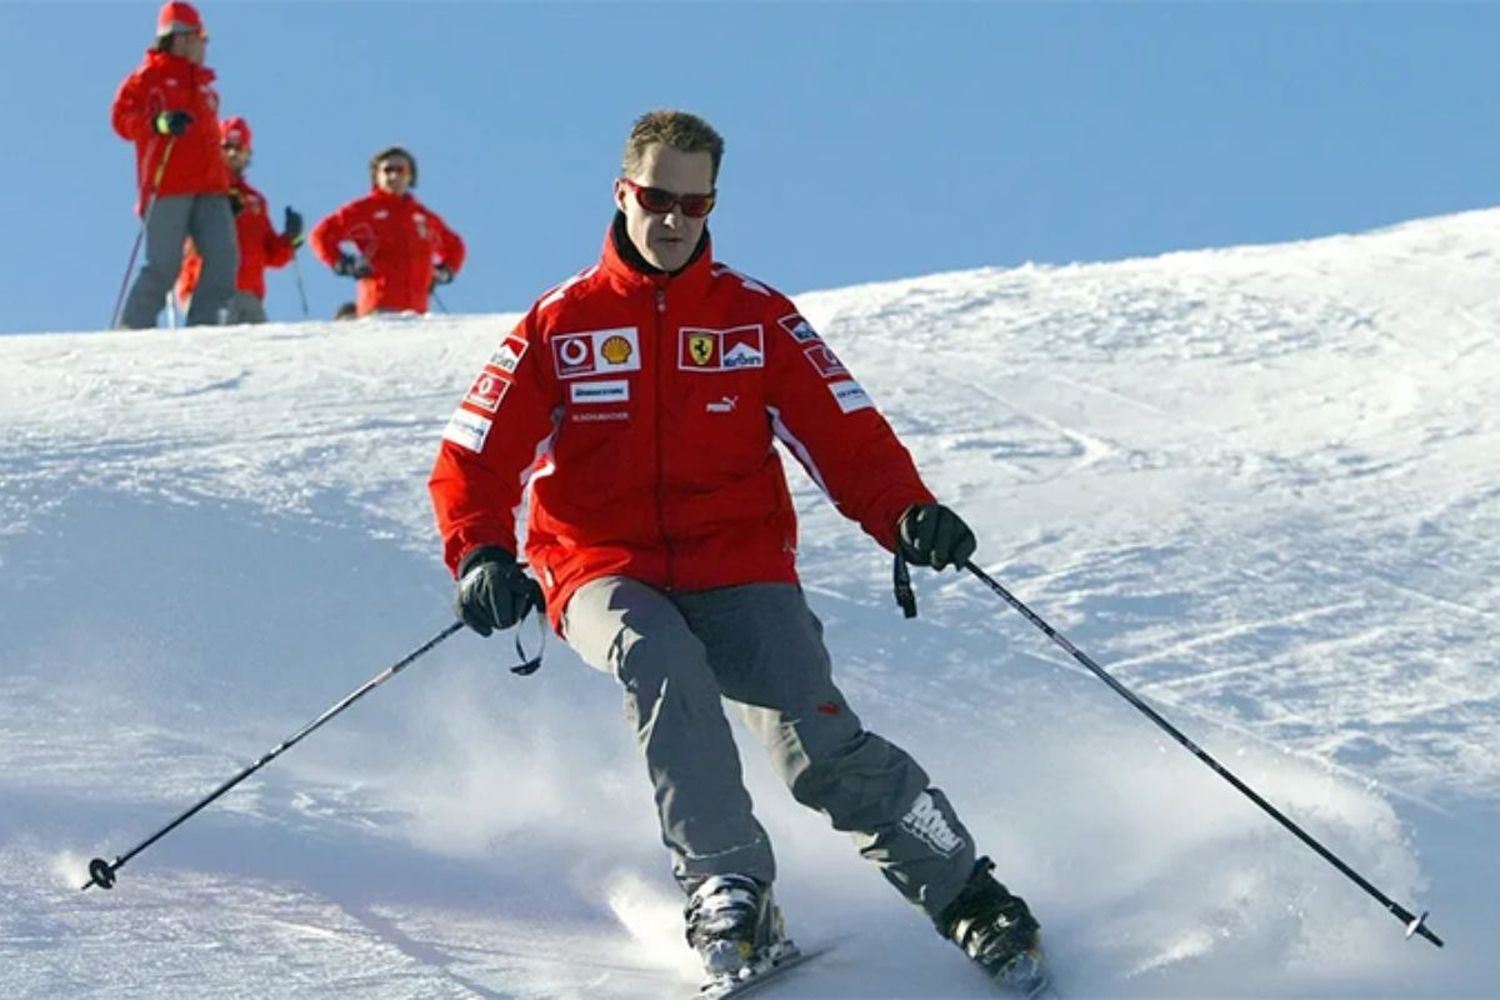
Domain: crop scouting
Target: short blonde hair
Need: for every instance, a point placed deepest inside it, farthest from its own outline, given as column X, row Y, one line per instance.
column 681, row 130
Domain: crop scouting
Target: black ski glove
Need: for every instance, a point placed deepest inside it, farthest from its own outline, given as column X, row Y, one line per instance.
column 442, row 275
column 236, row 201
column 930, row 534
column 493, row 592
column 292, row 228
column 351, row 267
column 172, row 122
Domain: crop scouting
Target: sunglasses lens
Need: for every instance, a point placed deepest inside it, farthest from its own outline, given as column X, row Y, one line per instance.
column 655, row 199
column 696, row 205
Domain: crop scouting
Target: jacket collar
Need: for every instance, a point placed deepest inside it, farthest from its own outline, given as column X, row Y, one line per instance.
column 157, row 59
column 376, row 194
column 627, row 270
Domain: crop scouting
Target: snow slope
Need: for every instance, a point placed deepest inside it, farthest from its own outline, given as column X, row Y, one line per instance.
column 1258, row 484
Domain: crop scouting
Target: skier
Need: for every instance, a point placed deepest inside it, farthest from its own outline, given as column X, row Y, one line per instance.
column 644, row 394
column 259, row 244
column 402, row 249
column 169, row 109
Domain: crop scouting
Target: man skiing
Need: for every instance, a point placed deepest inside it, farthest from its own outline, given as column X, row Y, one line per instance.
column 169, row 109
column 259, row 244
column 401, row 248
column 641, row 399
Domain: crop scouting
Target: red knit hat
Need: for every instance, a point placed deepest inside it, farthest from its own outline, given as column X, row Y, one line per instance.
column 235, row 132
column 177, row 17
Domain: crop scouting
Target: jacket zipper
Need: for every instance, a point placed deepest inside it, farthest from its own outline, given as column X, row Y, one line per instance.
column 661, row 478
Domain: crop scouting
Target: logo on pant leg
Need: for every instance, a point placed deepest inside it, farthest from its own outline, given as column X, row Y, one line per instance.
column 926, row 822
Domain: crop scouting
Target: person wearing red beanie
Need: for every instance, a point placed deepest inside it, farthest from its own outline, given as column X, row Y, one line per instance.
column 259, row 243
column 168, row 107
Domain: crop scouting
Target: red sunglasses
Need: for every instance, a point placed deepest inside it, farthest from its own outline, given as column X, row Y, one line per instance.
column 660, row 201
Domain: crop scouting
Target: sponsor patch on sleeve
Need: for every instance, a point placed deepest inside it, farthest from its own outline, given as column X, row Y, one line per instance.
column 468, row 429
column 800, row 329
column 823, row 359
column 508, row 355
column 487, row 391
column 850, row 396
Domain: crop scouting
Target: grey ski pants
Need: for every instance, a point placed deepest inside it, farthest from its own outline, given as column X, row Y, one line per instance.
column 761, row 647
column 207, row 218
column 244, row 308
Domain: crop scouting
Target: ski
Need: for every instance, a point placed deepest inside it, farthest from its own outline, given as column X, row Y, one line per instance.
column 1026, row 976
column 780, row 959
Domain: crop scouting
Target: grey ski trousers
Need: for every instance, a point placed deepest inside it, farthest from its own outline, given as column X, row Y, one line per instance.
column 759, row 646
column 207, row 218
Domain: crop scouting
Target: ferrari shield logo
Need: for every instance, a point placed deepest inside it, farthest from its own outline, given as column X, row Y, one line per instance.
column 701, row 347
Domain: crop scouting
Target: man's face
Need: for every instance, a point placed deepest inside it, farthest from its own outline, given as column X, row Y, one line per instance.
column 393, row 175
column 191, row 45
column 236, row 157
column 666, row 239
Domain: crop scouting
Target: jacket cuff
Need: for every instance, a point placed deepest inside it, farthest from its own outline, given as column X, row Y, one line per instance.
column 485, row 553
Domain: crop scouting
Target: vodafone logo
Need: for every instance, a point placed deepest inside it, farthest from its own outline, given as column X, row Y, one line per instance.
column 487, row 391
column 575, row 351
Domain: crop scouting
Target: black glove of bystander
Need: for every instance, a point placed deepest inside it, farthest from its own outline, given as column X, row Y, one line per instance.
column 493, row 592
column 236, row 201
column 351, row 267
column 930, row 534
column 442, row 275
column 172, row 122
column 292, row 227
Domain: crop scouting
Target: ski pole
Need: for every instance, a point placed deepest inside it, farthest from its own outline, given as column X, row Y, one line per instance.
column 140, row 235
column 102, row 873
column 439, row 300
column 1414, row 924
column 301, row 289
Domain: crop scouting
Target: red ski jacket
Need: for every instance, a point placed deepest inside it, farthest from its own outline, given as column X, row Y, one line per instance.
column 165, row 82
column 260, row 247
column 643, row 410
column 400, row 239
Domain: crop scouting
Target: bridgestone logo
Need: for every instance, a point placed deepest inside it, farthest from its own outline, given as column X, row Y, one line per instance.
column 925, row 821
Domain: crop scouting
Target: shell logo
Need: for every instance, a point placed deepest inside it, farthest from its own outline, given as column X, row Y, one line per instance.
column 616, row 350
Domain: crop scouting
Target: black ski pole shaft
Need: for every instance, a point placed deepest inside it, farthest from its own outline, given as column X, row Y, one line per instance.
column 1414, row 924
column 102, row 873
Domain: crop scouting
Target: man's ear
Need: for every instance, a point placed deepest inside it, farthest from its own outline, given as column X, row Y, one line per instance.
column 620, row 192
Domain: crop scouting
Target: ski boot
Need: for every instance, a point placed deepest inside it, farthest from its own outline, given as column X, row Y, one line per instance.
column 995, row 929
column 737, row 930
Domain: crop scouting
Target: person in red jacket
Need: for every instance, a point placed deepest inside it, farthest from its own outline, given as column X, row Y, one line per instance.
column 398, row 248
column 169, row 109
column 640, row 400
column 259, row 243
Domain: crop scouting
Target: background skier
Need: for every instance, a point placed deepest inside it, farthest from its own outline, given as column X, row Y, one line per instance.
column 402, row 249
column 260, row 246
column 168, row 107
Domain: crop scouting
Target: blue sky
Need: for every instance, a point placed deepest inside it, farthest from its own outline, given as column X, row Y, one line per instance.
column 865, row 141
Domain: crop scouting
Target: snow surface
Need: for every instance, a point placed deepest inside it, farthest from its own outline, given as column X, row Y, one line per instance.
column 1257, row 483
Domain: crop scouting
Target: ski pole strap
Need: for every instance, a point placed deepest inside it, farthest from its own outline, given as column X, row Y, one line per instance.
column 901, row 584
column 530, row 664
